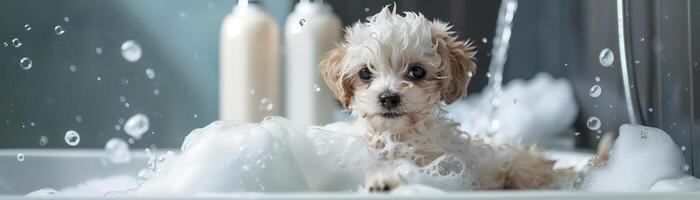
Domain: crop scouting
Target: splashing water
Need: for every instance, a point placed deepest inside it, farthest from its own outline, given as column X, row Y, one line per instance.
column 501, row 41
column 131, row 51
column 136, row 125
column 72, row 138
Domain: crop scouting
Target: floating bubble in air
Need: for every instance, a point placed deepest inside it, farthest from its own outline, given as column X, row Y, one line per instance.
column 150, row 73
column 156, row 91
column 117, row 151
column 43, row 140
column 597, row 79
column 266, row 104
column 72, row 138
column 131, row 51
column 606, row 57
column 72, row 68
column 593, row 123
column 27, row 27
column 59, row 30
column 595, row 91
column 317, row 88
column 302, row 22
column 78, row 118
column 25, row 63
column 651, row 110
column 20, row 157
column 484, row 40
column 16, row 43
column 66, row 19
column 136, row 125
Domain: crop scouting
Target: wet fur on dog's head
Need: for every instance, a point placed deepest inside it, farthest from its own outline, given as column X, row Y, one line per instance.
column 409, row 56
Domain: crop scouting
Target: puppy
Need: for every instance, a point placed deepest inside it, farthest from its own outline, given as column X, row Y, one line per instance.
column 396, row 73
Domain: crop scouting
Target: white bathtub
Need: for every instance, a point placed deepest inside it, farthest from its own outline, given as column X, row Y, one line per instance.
column 59, row 168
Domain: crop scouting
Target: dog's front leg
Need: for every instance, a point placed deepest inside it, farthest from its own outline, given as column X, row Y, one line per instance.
column 382, row 181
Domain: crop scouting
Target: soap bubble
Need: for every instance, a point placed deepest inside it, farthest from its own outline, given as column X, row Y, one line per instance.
column 302, row 22
column 515, row 101
column 597, row 79
column 72, row 138
column 156, row 91
column 122, row 99
column 78, row 118
column 366, row 9
column 651, row 110
column 150, row 73
column 595, row 91
column 266, row 104
column 488, row 74
column 43, row 140
column 606, row 57
column 20, row 157
column 72, row 68
column 25, row 63
column 642, row 39
column 593, row 123
column 59, row 30
column 66, row 19
column 16, row 43
column 136, row 125
column 484, row 40
column 682, row 148
column 131, row 51
column 117, row 151
column 577, row 133
column 27, row 27
column 317, row 88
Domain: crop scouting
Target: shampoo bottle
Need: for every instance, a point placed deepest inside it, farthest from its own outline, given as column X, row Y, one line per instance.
column 249, row 66
column 311, row 30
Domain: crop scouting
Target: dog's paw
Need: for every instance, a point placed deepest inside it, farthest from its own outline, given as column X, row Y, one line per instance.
column 382, row 182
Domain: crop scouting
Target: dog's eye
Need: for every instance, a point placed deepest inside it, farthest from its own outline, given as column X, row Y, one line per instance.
column 416, row 73
column 365, row 74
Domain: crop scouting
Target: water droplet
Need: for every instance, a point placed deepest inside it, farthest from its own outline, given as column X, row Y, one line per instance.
column 593, row 123
column 66, row 19
column 25, row 63
column 16, row 43
column 43, row 140
column 122, row 99
column 59, row 30
column 488, row 74
column 566, row 64
column 31, row 123
column 668, row 74
column 302, row 22
column 266, row 104
column 131, row 51
column 606, row 57
column 682, row 148
column 686, row 167
column 6, row 44
column 127, row 104
column 78, row 118
column 72, row 68
column 117, row 151
column 642, row 39
column 597, row 79
column 246, row 167
column 72, row 138
column 27, row 27
column 515, row 101
column 98, row 50
column 156, row 91
column 150, row 73
column 117, row 127
column 595, row 91
column 366, row 9
column 20, row 157
column 317, row 88
column 136, row 125
column 636, row 62
column 99, row 78
column 195, row 116
column 577, row 133
column 651, row 110
column 484, row 40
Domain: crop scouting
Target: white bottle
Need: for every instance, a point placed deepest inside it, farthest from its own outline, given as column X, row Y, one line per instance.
column 249, row 65
column 311, row 31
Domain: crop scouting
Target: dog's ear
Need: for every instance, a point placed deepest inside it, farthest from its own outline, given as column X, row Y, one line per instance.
column 457, row 60
column 333, row 74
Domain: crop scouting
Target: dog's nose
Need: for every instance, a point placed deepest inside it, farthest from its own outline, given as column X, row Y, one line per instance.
column 389, row 100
